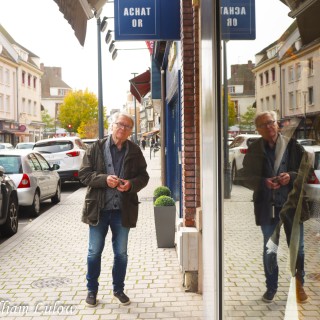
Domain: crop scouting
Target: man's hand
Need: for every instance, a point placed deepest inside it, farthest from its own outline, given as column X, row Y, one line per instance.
column 273, row 183
column 124, row 185
column 284, row 178
column 112, row 181
column 278, row 181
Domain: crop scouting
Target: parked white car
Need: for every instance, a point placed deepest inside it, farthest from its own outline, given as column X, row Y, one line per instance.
column 313, row 186
column 307, row 142
column 34, row 178
column 237, row 150
column 67, row 152
column 5, row 145
column 89, row 142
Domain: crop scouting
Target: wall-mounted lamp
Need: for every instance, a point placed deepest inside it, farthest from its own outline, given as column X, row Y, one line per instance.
column 103, row 24
column 115, row 51
column 114, row 54
column 111, row 46
column 108, row 36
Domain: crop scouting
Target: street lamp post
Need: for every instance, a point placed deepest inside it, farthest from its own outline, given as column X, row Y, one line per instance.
column 100, row 97
column 135, row 114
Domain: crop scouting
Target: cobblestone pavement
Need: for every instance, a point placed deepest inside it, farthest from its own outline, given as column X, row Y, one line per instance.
column 244, row 276
column 42, row 269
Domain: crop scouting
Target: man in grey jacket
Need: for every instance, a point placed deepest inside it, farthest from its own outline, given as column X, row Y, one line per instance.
column 114, row 170
column 270, row 168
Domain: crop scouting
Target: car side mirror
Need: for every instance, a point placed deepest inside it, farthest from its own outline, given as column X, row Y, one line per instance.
column 2, row 171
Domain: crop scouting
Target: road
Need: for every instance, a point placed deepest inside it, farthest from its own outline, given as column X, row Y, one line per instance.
column 25, row 218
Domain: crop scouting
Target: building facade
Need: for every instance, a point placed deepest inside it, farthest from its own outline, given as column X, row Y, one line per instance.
column 53, row 91
column 20, row 92
column 241, row 88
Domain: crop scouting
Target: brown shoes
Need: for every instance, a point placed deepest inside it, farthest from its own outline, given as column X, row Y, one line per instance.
column 300, row 293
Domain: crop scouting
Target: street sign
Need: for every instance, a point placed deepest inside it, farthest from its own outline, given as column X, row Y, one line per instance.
column 238, row 20
column 147, row 19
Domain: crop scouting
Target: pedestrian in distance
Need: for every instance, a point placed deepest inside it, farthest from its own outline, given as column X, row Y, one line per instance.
column 152, row 141
column 143, row 143
column 270, row 168
column 114, row 171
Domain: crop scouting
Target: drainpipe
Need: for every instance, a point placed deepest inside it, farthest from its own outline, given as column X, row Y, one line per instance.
column 163, row 128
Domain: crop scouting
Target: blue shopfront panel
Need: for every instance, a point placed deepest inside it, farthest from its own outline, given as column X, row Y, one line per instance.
column 147, row 19
column 238, row 20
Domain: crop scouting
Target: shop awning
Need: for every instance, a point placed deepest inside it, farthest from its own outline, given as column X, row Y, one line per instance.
column 140, row 85
column 78, row 12
column 150, row 133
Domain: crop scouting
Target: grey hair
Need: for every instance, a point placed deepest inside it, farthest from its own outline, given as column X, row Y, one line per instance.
column 117, row 115
column 263, row 113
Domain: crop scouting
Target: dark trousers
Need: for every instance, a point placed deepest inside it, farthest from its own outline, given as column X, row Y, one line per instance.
column 267, row 231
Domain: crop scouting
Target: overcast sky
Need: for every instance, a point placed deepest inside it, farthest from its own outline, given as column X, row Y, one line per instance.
column 39, row 26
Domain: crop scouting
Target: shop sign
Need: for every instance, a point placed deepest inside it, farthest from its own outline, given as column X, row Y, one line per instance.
column 147, row 19
column 238, row 20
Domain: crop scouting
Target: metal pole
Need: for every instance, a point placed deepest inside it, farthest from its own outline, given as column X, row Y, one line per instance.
column 135, row 114
column 135, row 120
column 305, row 114
column 100, row 97
column 227, row 169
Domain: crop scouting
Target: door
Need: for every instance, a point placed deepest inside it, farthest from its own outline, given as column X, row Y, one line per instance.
column 173, row 143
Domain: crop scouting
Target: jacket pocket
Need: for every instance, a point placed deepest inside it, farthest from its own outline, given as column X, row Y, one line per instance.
column 91, row 211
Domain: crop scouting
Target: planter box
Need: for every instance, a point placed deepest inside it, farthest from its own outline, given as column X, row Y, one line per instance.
column 165, row 219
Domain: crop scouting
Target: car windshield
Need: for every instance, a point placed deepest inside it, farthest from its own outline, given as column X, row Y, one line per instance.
column 53, row 146
column 11, row 163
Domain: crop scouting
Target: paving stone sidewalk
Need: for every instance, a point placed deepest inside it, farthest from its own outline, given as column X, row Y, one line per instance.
column 42, row 269
column 244, row 275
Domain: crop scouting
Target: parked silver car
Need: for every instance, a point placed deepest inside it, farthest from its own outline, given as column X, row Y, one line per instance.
column 34, row 178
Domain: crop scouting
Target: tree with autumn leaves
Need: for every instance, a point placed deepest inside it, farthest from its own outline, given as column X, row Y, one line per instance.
column 79, row 113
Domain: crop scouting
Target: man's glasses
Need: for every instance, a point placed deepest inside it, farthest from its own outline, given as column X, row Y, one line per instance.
column 123, row 126
column 266, row 124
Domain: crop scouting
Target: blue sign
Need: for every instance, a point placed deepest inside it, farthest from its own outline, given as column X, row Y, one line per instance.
column 238, row 20
column 147, row 19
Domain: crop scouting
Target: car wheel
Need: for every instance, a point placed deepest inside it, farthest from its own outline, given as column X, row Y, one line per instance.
column 11, row 225
column 234, row 173
column 57, row 197
column 35, row 207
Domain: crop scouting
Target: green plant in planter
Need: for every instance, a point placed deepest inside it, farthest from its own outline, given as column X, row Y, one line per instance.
column 164, row 219
column 164, row 201
column 161, row 191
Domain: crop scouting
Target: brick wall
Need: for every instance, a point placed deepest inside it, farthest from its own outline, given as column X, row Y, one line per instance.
column 190, row 111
